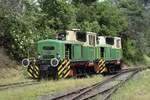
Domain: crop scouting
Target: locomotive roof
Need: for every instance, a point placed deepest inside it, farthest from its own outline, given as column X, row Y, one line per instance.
column 60, row 41
column 104, row 45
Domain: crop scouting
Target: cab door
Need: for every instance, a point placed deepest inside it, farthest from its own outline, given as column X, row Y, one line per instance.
column 68, row 51
column 76, row 52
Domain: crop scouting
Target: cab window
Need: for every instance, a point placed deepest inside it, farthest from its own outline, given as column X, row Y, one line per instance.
column 118, row 43
column 91, row 40
column 110, row 41
column 81, row 36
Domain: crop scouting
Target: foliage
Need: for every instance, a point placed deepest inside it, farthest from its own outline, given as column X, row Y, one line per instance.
column 136, row 27
column 83, row 1
column 59, row 14
column 20, row 31
column 100, row 17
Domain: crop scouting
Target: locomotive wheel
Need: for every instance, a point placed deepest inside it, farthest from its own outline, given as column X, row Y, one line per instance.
column 55, row 74
column 112, row 69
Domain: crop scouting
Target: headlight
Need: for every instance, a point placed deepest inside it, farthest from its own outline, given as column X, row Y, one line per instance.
column 25, row 62
column 54, row 62
column 58, row 56
column 39, row 56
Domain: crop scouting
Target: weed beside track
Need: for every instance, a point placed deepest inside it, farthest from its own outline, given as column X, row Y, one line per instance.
column 17, row 85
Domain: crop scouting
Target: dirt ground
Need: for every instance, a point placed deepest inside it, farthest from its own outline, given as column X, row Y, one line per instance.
column 5, row 60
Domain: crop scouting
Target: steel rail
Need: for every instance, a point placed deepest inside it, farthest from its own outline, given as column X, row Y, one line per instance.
column 73, row 95
column 17, row 84
column 112, row 89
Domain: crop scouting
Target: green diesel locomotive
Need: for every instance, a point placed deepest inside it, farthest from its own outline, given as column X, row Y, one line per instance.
column 75, row 53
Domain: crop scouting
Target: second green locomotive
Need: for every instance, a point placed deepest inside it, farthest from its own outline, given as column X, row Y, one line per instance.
column 75, row 53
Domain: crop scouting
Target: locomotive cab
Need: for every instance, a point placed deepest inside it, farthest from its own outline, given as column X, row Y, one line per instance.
column 111, row 51
column 75, row 35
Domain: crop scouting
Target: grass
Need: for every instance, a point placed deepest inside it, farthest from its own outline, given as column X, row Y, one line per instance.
column 45, row 87
column 12, row 75
column 135, row 89
column 147, row 60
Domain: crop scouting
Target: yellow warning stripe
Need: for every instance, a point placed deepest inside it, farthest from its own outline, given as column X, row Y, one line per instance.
column 62, row 64
column 63, row 68
column 102, row 67
column 103, row 70
column 101, row 64
column 36, row 67
column 30, row 70
column 67, row 74
column 33, row 71
column 67, row 64
column 100, row 61
column 35, row 75
column 104, row 60
column 63, row 74
column 67, row 68
column 37, row 72
column 60, row 76
column 33, row 68
column 30, row 74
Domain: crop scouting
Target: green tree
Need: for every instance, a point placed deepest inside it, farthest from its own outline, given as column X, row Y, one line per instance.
column 136, row 26
column 100, row 17
column 83, row 1
column 21, row 30
column 59, row 15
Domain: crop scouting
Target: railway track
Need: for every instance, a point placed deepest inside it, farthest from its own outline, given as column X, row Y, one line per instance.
column 101, row 90
column 17, row 85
